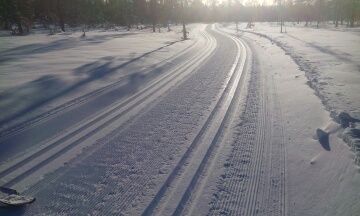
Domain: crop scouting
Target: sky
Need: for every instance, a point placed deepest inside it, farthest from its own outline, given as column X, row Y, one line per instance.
column 246, row 2
column 265, row 2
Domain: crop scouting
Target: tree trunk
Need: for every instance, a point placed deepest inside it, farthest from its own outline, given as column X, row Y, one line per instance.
column 352, row 16
column 62, row 25
column 60, row 14
column 153, row 14
column 184, row 32
column 336, row 16
column 183, row 20
column 19, row 25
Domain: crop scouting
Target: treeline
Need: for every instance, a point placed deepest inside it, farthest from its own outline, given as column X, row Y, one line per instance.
column 339, row 11
column 19, row 16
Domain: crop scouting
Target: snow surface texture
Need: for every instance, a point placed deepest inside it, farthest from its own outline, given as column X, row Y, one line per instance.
column 40, row 72
column 352, row 137
column 321, row 179
column 330, row 59
column 176, row 143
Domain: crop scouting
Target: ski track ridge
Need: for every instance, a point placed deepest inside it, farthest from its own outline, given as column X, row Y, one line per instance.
column 13, row 130
column 257, row 164
column 186, row 156
column 18, row 165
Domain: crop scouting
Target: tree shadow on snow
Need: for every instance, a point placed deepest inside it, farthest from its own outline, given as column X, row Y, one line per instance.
column 48, row 88
column 346, row 57
column 61, row 44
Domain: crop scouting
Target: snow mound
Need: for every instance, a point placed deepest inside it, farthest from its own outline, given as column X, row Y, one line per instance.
column 345, row 119
column 352, row 137
column 351, row 134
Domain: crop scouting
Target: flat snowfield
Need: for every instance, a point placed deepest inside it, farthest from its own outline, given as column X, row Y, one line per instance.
column 141, row 123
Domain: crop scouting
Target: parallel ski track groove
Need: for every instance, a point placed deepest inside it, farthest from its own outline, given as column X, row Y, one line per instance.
column 190, row 190
column 128, row 198
column 130, row 186
column 282, row 154
column 155, row 201
column 254, row 180
column 80, row 100
column 124, row 200
column 11, row 169
column 246, row 144
column 264, row 128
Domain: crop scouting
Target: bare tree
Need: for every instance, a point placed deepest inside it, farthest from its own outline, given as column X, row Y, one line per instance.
column 183, row 4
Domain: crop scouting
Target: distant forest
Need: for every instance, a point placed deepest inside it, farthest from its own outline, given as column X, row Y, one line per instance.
column 20, row 16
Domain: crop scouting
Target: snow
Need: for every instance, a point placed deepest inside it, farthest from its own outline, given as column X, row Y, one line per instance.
column 137, row 122
column 329, row 57
column 39, row 67
column 321, row 177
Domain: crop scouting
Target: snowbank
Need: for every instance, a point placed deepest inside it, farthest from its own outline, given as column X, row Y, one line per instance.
column 330, row 59
column 352, row 137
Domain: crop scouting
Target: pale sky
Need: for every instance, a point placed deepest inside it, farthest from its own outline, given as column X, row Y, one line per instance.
column 261, row 2
column 246, row 2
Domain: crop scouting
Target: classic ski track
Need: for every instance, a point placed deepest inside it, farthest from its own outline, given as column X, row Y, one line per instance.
column 282, row 151
column 180, row 70
column 263, row 124
column 231, row 86
column 263, row 148
column 191, row 189
column 121, row 202
column 1, row 174
column 128, row 198
column 17, row 128
column 241, row 93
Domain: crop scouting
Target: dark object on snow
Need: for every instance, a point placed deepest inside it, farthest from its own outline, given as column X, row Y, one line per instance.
column 345, row 119
column 8, row 191
column 11, row 197
column 323, row 139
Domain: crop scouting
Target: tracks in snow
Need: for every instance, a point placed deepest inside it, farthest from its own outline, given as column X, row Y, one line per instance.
column 12, row 131
column 254, row 182
column 26, row 170
column 179, row 187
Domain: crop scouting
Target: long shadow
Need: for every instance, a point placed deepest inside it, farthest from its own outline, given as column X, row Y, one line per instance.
column 95, row 70
column 62, row 44
column 340, row 56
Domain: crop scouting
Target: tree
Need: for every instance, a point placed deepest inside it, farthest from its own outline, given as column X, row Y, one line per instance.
column 183, row 5
column 153, row 4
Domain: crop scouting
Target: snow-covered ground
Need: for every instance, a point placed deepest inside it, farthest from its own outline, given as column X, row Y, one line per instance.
column 329, row 57
column 141, row 123
column 39, row 72
column 321, row 177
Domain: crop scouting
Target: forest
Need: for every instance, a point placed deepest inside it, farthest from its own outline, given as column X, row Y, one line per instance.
column 20, row 16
